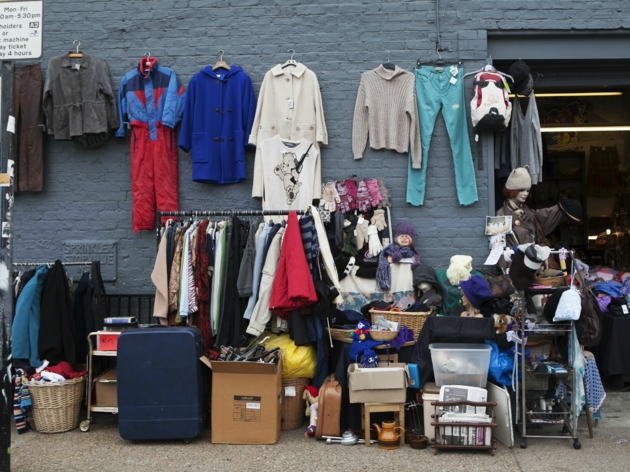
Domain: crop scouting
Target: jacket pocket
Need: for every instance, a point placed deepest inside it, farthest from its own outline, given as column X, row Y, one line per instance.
column 306, row 131
column 200, row 148
column 239, row 146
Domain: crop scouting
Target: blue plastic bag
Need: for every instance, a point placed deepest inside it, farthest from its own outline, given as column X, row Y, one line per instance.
column 501, row 364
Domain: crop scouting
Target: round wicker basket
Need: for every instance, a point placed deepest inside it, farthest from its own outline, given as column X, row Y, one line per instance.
column 56, row 405
column 293, row 406
column 383, row 336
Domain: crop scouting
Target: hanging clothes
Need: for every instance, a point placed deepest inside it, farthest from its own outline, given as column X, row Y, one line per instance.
column 82, row 306
column 245, row 280
column 217, row 276
column 25, row 330
column 160, row 280
column 218, row 117
column 326, row 255
column 293, row 285
column 526, row 140
column 173, row 285
column 57, row 339
column 203, row 286
column 258, row 268
column 289, row 105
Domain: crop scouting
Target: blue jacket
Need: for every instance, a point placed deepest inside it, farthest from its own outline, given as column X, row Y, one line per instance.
column 150, row 96
column 218, row 117
column 27, row 315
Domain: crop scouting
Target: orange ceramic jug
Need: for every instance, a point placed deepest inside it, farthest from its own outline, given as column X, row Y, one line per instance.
column 387, row 437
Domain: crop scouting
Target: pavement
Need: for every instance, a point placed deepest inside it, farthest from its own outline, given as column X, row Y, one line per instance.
column 102, row 449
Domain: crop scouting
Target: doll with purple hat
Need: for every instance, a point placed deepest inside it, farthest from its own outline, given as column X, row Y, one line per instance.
column 402, row 248
column 475, row 291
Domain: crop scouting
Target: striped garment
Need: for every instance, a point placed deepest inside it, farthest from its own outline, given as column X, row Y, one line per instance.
column 21, row 403
column 192, row 282
column 310, row 243
column 324, row 251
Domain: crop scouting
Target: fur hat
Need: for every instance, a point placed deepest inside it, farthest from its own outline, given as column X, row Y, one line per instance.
column 519, row 179
column 460, row 269
column 525, row 262
column 476, row 290
column 405, row 228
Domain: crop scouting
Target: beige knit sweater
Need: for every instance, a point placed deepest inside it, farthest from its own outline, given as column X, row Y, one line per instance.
column 387, row 110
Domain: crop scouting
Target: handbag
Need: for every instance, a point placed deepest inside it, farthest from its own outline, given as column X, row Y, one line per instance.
column 569, row 307
column 542, row 241
column 500, row 285
column 588, row 326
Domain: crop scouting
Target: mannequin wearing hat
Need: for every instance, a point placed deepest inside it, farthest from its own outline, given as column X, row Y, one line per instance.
column 475, row 291
column 524, row 229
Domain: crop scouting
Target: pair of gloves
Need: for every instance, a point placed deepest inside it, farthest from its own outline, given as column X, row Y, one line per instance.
column 347, row 197
column 368, row 233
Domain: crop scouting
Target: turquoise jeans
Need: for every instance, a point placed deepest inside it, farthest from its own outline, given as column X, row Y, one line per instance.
column 434, row 90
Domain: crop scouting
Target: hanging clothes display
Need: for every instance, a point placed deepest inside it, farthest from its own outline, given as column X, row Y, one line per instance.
column 83, row 298
column 151, row 99
column 289, row 105
column 218, row 118
column 526, row 140
column 160, row 280
column 78, row 97
column 443, row 88
column 387, row 111
column 30, row 114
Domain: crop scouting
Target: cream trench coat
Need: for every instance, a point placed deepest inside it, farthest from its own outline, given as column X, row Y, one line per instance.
column 289, row 104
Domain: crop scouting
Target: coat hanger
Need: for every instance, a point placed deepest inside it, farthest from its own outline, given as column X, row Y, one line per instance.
column 147, row 62
column 389, row 65
column 290, row 62
column 489, row 68
column 220, row 64
column 78, row 53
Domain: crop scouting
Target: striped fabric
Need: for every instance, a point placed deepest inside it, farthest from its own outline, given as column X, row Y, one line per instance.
column 310, row 243
column 21, row 403
column 326, row 255
column 192, row 283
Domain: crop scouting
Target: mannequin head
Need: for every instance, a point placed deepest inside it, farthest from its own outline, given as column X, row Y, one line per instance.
column 516, row 196
column 424, row 286
column 518, row 184
column 404, row 240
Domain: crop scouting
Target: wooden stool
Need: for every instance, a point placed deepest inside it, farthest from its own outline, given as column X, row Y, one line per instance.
column 368, row 408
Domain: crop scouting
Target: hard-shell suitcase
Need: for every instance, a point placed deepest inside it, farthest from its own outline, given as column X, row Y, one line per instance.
column 160, row 387
column 329, row 409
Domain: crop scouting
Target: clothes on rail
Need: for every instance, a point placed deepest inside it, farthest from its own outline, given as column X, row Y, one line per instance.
column 51, row 323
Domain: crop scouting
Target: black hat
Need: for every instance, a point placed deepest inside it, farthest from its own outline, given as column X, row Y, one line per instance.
column 573, row 209
column 344, row 265
column 424, row 273
column 523, row 82
column 525, row 262
column 524, row 88
column 549, row 310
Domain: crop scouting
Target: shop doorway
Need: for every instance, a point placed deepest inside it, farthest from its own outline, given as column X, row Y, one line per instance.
column 584, row 110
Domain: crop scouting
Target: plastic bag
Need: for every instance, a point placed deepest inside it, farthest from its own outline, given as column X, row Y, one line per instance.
column 501, row 365
column 297, row 361
column 569, row 306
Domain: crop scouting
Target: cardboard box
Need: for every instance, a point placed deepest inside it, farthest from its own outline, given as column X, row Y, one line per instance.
column 246, row 402
column 378, row 385
column 107, row 340
column 106, row 389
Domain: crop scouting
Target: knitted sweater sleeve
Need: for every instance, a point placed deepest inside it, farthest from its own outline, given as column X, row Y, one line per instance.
column 360, row 123
column 415, row 144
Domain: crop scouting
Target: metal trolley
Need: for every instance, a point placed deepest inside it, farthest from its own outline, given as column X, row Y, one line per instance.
column 85, row 425
column 566, row 416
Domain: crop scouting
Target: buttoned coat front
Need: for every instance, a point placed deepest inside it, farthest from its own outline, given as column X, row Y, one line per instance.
column 290, row 105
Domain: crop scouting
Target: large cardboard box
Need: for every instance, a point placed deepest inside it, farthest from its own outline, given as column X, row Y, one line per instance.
column 246, row 398
column 378, row 385
column 106, row 389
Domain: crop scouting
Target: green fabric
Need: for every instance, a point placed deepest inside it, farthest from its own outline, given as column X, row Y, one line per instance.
column 220, row 275
column 452, row 296
column 350, row 239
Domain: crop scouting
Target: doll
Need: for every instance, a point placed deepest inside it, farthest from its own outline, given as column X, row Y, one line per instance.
column 402, row 248
column 362, row 332
column 311, row 395
column 501, row 323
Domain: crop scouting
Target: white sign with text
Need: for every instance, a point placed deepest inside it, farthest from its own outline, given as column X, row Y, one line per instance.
column 21, row 27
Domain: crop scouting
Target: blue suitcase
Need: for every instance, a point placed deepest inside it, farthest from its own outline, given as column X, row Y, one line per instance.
column 160, row 388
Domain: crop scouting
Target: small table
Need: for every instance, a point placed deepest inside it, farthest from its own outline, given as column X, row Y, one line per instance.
column 368, row 408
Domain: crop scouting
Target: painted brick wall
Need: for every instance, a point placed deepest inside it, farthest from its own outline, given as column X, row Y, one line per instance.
column 88, row 192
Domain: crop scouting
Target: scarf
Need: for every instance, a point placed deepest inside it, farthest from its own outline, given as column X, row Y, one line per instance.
column 384, row 272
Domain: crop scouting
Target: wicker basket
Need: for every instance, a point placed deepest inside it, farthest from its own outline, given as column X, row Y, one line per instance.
column 56, row 405
column 342, row 335
column 560, row 281
column 413, row 321
column 383, row 336
column 293, row 407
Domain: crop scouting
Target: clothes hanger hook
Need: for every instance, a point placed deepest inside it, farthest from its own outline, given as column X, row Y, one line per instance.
column 77, row 41
column 221, row 52
column 387, row 56
column 292, row 50
column 148, row 55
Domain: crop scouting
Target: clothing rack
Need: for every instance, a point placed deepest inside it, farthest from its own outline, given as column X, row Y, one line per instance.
column 229, row 213
column 27, row 264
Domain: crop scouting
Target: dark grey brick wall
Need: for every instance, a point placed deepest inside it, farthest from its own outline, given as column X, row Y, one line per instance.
column 88, row 192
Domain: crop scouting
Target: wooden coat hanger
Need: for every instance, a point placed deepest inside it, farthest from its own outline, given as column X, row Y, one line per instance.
column 78, row 53
column 220, row 64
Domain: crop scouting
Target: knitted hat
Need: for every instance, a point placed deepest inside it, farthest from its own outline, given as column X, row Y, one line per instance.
column 460, row 269
column 523, row 81
column 525, row 262
column 519, row 179
column 476, row 290
column 344, row 265
column 405, row 228
column 423, row 273
column 525, row 88
column 572, row 209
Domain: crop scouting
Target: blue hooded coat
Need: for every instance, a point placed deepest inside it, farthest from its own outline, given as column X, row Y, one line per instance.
column 27, row 317
column 218, row 117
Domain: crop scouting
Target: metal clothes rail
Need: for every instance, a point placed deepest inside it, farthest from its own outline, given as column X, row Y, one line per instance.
column 27, row 264
column 229, row 213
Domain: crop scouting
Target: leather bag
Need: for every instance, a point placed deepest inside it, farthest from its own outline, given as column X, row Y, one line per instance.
column 589, row 327
column 329, row 408
column 500, row 285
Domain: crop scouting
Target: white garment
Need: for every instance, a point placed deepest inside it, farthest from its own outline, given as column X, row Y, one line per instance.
column 216, row 280
column 183, row 285
column 402, row 280
column 286, row 185
column 52, row 377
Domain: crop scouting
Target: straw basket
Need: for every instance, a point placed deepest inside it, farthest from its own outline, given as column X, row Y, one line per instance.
column 342, row 335
column 383, row 336
column 56, row 405
column 413, row 321
column 560, row 281
column 293, row 407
